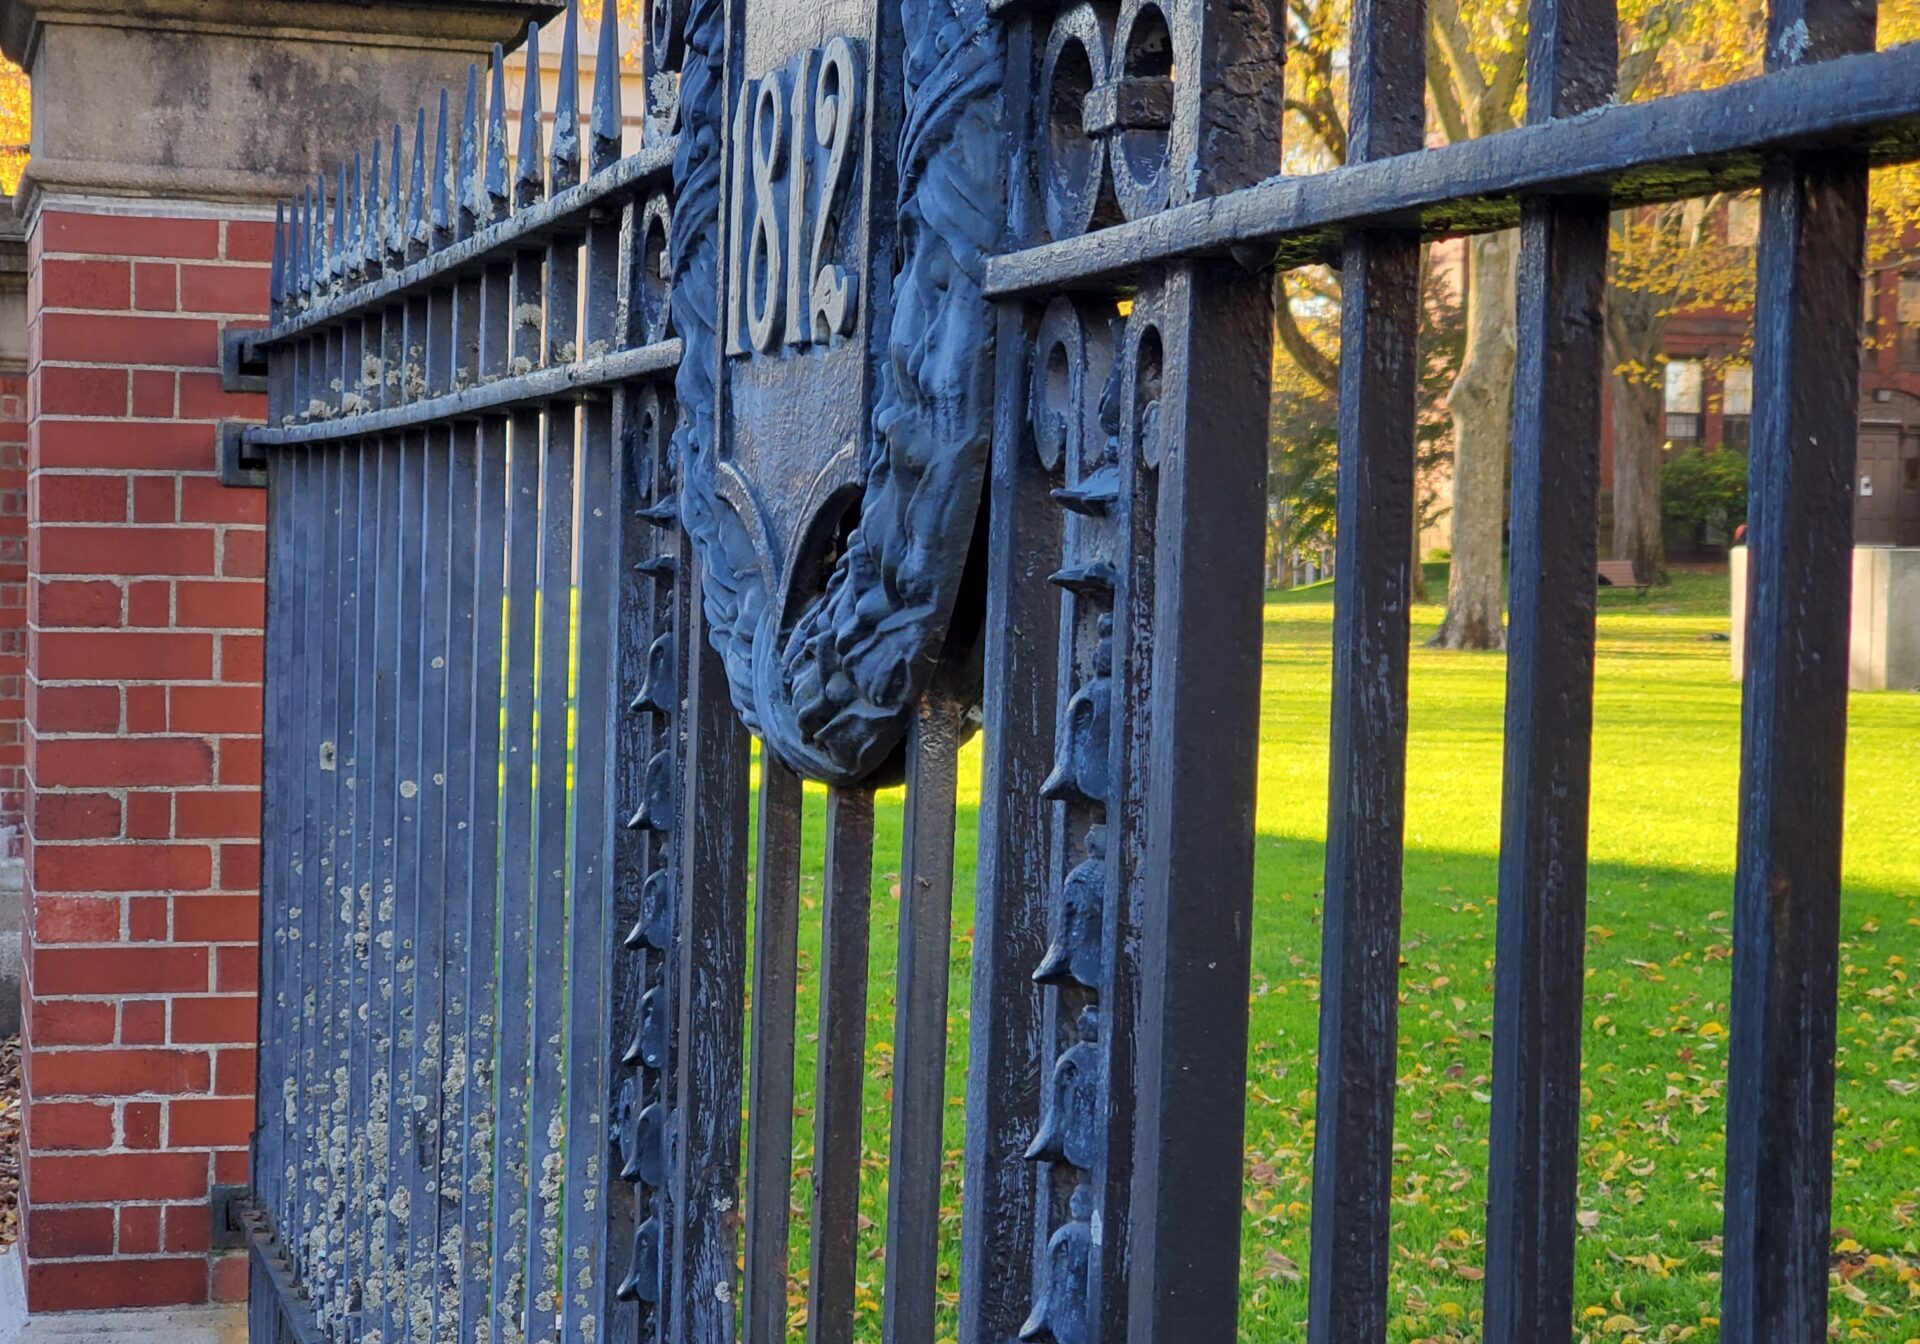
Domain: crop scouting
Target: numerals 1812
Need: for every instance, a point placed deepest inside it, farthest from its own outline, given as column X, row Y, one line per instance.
column 785, row 286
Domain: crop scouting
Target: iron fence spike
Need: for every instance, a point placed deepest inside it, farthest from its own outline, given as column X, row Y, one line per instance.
column 374, row 231
column 417, row 186
column 607, row 111
column 342, row 221
column 278, row 288
column 496, row 187
column 395, row 241
column 297, row 247
column 531, row 184
column 356, row 247
column 317, row 227
column 472, row 196
column 442, row 166
column 565, row 156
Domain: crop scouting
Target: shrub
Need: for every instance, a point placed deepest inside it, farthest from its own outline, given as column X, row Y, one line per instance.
column 1702, row 490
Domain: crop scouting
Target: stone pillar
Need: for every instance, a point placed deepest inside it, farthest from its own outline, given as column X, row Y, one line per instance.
column 162, row 133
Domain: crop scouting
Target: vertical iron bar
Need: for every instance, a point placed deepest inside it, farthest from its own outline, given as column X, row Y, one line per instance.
column 298, row 775
column 342, row 922
column 552, row 886
column 920, row 1022
column 1208, row 371
column 840, row 1079
column 409, row 1314
column 1197, row 775
column 480, row 1173
column 600, row 581
column 1786, row 944
column 709, row 1001
column 1533, row 1166
column 511, row 1170
column 591, row 931
column 776, row 934
column 435, row 926
column 1010, row 916
column 1379, row 382
column 274, row 1141
column 381, row 794
column 320, row 925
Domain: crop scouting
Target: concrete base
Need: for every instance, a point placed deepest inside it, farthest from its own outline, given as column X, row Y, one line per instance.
column 1886, row 618
column 169, row 1325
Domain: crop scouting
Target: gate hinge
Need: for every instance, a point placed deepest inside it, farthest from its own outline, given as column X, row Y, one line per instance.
column 240, row 466
column 243, row 368
column 228, row 1206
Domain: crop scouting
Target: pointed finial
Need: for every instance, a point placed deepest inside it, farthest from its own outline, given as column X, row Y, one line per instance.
column 566, row 108
column 317, row 255
column 396, row 228
column 471, row 197
column 297, row 250
column 373, row 234
column 354, row 252
column 607, row 112
column 530, row 185
column 279, row 284
column 416, row 236
column 342, row 219
column 496, row 188
column 442, row 165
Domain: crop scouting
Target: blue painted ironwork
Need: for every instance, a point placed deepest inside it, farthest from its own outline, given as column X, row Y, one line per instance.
column 909, row 375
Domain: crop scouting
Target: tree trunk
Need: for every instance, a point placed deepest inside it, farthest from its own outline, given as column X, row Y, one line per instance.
column 1636, row 326
column 1639, row 407
column 1419, row 588
column 1482, row 406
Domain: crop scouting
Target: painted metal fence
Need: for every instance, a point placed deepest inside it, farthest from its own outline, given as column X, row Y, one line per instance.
column 911, row 381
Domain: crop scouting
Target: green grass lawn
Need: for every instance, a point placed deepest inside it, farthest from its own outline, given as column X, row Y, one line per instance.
column 1664, row 805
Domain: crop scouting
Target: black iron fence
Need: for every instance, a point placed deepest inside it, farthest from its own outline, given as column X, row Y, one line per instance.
column 913, row 378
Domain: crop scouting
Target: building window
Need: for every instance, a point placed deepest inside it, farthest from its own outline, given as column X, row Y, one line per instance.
column 1736, row 406
column 1686, row 400
column 1908, row 341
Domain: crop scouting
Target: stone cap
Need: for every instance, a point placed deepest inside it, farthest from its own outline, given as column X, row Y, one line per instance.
column 460, row 21
column 234, row 101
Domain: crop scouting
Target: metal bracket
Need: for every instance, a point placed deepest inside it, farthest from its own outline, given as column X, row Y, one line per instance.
column 242, row 367
column 228, row 1206
column 241, row 466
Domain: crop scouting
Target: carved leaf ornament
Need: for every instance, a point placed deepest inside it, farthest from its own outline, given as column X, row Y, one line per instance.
column 837, row 392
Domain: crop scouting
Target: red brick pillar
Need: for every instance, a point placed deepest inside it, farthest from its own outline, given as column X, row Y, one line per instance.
column 159, row 139
column 143, row 756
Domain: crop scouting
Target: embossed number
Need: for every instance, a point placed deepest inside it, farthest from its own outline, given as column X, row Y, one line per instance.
column 775, row 134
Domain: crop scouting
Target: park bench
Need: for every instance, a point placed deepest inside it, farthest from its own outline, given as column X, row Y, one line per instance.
column 1619, row 574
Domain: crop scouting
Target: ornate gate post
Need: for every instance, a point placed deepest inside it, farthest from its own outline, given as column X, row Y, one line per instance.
column 162, row 134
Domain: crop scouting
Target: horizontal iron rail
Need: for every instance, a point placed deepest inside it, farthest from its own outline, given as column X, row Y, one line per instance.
column 560, row 382
column 567, row 212
column 1636, row 153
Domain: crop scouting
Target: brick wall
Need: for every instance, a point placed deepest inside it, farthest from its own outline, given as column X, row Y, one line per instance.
column 142, row 760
